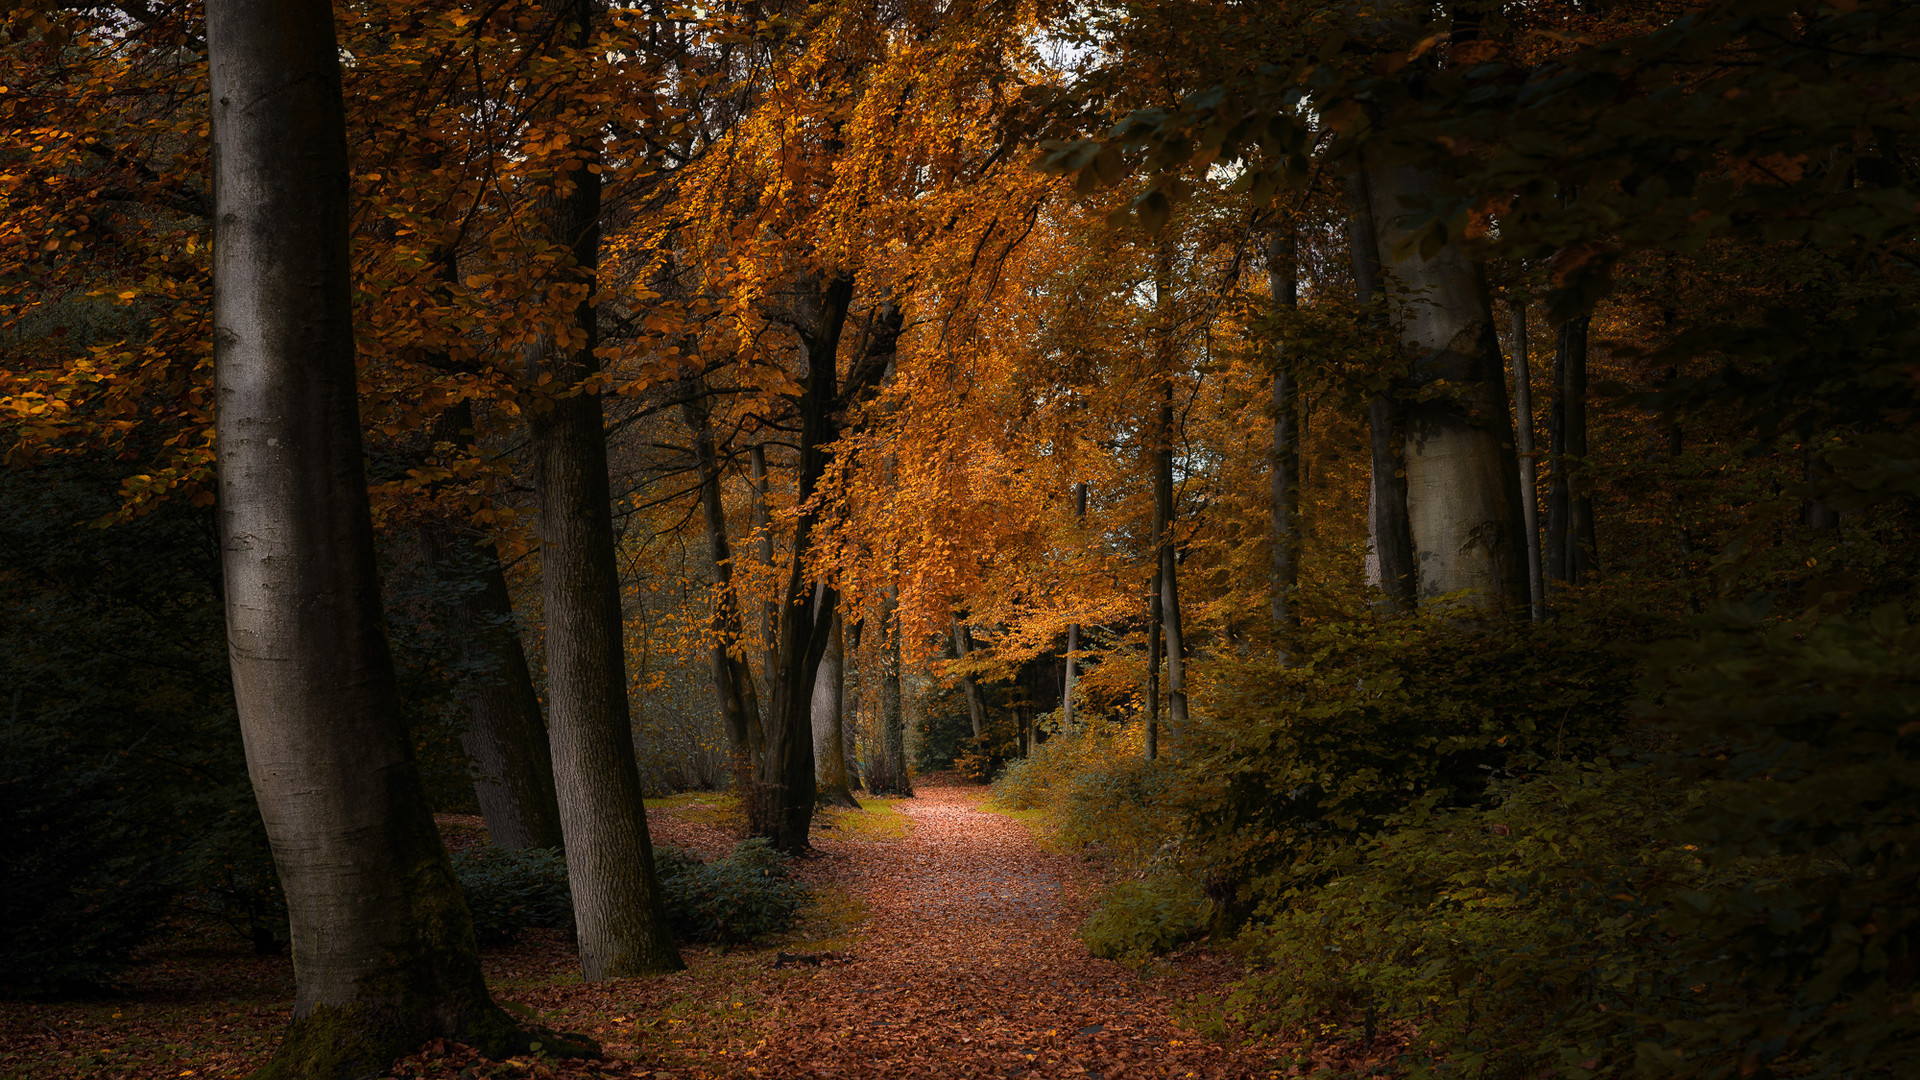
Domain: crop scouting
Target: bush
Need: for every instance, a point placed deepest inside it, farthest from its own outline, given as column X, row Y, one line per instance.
column 747, row 894
column 744, row 895
column 1511, row 939
column 1146, row 918
column 509, row 891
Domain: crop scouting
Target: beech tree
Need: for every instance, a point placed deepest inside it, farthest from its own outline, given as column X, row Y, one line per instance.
column 617, row 905
column 383, row 946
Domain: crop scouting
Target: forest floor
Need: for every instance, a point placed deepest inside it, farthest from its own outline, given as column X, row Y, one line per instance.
column 941, row 944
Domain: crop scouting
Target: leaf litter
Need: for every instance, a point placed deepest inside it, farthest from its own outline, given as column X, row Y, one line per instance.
column 946, row 950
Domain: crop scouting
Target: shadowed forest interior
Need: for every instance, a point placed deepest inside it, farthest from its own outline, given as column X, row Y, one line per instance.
column 970, row 538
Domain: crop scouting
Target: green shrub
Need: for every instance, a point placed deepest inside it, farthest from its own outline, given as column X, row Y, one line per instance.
column 1804, row 737
column 512, row 890
column 1517, row 940
column 1146, row 918
column 744, row 895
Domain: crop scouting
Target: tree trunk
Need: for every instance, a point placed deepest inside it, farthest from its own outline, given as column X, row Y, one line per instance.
column 889, row 771
column 780, row 804
column 1582, row 557
column 1529, row 482
column 383, row 946
column 1463, row 489
column 1284, row 577
column 976, row 708
column 732, row 678
column 617, row 905
column 829, row 720
column 1073, row 629
column 505, row 738
column 1163, row 505
column 1389, row 541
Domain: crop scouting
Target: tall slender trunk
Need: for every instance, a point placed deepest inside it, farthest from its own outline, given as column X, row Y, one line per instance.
column 829, row 720
column 1463, row 482
column 1153, row 665
column 1073, row 629
column 780, row 804
column 505, row 737
column 1389, row 533
column 1284, row 576
column 969, row 685
column 1163, row 503
column 732, row 679
column 617, row 904
column 1529, row 482
column 1582, row 554
column 383, row 946
column 888, row 773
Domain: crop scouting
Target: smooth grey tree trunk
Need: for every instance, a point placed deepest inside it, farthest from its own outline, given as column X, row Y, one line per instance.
column 505, row 737
column 1529, row 481
column 1463, row 489
column 1284, row 506
column 383, row 946
column 617, row 905
column 829, row 720
column 1073, row 629
column 1389, row 534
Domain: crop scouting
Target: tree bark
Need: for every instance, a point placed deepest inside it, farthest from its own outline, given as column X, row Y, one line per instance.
column 780, row 804
column 383, row 946
column 888, row 775
column 1284, row 507
column 1163, row 502
column 505, row 738
column 1389, row 534
column 829, row 720
column 732, row 679
column 617, row 905
column 976, row 708
column 1073, row 629
column 1529, row 481
column 1462, row 479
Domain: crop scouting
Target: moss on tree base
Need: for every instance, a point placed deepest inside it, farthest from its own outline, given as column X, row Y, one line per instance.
column 355, row 1042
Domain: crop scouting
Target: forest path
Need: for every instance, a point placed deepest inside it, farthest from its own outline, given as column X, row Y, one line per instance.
column 968, row 965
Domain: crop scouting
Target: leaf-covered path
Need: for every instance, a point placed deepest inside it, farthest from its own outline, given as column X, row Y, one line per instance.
column 968, row 966
column 947, row 949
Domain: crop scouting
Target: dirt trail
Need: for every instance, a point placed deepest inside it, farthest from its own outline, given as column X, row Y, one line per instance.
column 969, row 967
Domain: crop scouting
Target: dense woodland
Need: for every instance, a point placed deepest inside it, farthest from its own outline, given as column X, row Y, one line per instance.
column 1418, row 498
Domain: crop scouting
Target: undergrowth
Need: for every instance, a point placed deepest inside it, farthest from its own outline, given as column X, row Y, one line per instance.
column 1529, row 852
